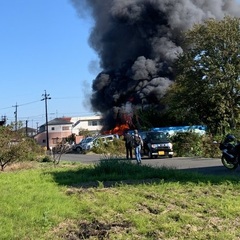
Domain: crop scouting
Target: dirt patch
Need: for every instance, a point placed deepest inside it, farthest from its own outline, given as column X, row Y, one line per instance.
column 93, row 230
column 20, row 166
column 107, row 184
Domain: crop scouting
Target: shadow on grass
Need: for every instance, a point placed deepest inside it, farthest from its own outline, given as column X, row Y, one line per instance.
column 113, row 172
column 215, row 170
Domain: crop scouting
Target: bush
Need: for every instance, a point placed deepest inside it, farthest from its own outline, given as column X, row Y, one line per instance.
column 190, row 144
column 187, row 144
column 16, row 148
column 115, row 148
column 210, row 146
column 46, row 159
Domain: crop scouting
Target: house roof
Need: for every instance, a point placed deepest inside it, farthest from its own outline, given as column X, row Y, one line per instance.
column 60, row 121
column 23, row 129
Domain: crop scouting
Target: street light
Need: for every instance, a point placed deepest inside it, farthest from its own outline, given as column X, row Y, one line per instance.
column 45, row 98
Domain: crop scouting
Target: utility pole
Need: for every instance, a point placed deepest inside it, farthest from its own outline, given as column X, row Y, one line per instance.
column 26, row 128
column 45, row 98
column 15, row 113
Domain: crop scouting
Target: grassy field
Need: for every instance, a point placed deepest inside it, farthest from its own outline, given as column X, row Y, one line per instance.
column 117, row 199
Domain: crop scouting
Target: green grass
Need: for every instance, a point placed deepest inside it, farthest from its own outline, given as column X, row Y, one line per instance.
column 117, row 199
column 31, row 203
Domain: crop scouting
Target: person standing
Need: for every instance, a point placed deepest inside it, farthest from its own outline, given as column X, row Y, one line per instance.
column 128, row 144
column 138, row 143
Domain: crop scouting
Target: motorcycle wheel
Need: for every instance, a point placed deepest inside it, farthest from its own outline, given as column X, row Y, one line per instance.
column 228, row 165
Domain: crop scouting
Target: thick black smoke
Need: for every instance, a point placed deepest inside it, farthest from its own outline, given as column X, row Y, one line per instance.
column 137, row 42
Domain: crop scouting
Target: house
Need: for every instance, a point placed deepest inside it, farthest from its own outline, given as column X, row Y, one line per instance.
column 30, row 132
column 67, row 127
column 90, row 123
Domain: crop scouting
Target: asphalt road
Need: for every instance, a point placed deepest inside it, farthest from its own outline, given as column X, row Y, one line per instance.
column 202, row 165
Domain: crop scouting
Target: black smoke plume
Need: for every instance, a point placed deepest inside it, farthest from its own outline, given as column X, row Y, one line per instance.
column 137, row 42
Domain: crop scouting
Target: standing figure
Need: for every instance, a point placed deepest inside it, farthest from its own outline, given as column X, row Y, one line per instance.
column 128, row 144
column 138, row 143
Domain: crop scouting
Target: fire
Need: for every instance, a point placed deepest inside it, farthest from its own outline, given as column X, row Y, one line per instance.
column 123, row 122
column 119, row 129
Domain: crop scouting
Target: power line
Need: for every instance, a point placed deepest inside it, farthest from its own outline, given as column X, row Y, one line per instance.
column 38, row 117
column 66, row 97
column 20, row 105
column 5, row 108
column 28, row 103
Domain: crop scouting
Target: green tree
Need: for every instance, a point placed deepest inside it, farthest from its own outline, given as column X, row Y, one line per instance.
column 151, row 117
column 84, row 132
column 206, row 90
column 15, row 148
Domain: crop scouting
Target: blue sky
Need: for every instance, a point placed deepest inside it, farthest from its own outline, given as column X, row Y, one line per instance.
column 44, row 46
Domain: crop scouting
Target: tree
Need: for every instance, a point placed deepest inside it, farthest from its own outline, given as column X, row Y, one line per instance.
column 84, row 132
column 60, row 149
column 14, row 148
column 151, row 117
column 207, row 87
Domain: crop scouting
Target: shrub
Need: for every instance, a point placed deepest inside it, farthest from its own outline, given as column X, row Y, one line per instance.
column 187, row 144
column 190, row 144
column 16, row 148
column 116, row 147
column 210, row 146
column 46, row 159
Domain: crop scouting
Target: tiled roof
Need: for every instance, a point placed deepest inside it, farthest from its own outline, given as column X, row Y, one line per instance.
column 23, row 129
column 60, row 121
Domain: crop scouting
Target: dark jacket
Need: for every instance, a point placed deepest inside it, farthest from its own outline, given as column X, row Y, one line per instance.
column 128, row 140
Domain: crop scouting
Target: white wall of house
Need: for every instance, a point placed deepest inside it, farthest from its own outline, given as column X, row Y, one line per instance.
column 60, row 128
column 90, row 123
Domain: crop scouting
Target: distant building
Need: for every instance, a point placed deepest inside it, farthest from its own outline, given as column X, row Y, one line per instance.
column 62, row 128
column 3, row 121
column 30, row 132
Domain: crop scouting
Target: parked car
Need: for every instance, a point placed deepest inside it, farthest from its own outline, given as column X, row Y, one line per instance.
column 156, row 144
column 78, row 147
column 95, row 141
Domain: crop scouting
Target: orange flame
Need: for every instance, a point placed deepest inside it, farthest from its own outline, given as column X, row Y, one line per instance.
column 119, row 129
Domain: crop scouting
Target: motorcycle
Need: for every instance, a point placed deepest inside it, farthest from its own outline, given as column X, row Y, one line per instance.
column 230, row 152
